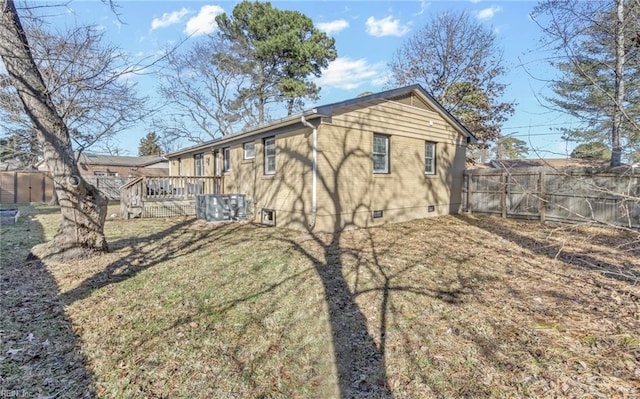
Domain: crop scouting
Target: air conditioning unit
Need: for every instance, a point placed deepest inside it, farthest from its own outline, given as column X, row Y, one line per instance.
column 221, row 207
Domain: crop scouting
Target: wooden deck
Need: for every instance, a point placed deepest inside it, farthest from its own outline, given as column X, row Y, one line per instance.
column 165, row 196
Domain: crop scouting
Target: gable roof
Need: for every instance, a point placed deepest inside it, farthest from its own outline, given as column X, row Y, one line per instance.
column 327, row 111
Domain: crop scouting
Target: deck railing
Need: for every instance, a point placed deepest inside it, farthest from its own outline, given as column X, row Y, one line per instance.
column 144, row 189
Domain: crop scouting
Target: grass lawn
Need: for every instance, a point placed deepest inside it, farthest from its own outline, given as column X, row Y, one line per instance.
column 450, row 307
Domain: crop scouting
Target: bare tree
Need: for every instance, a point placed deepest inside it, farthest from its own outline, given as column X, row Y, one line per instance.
column 459, row 62
column 199, row 93
column 87, row 83
column 83, row 207
column 596, row 48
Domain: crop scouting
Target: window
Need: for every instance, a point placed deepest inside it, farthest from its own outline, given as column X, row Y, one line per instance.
column 226, row 166
column 380, row 153
column 216, row 162
column 249, row 150
column 198, row 161
column 270, row 156
column 429, row 158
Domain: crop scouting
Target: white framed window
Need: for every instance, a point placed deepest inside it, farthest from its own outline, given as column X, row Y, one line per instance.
column 226, row 158
column 270, row 156
column 380, row 153
column 249, row 150
column 198, row 162
column 429, row 158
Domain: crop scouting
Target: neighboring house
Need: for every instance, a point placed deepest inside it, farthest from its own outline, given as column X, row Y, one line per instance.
column 92, row 165
column 386, row 157
column 550, row 163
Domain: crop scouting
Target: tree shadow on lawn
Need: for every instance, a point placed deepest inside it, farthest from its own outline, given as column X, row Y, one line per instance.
column 148, row 251
column 360, row 356
column 626, row 273
column 41, row 354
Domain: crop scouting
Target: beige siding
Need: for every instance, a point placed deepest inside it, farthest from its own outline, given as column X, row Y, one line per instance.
column 348, row 190
column 185, row 164
column 353, row 191
column 288, row 191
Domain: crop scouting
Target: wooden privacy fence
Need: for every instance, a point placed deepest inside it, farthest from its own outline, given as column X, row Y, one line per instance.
column 576, row 195
column 109, row 185
column 25, row 186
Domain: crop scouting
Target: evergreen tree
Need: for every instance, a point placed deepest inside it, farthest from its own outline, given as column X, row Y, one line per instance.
column 278, row 51
column 150, row 145
column 511, row 148
column 596, row 150
column 598, row 54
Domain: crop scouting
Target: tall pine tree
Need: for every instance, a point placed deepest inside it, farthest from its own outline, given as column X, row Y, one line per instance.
column 598, row 49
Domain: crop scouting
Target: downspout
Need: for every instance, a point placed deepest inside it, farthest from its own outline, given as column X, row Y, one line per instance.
column 314, row 171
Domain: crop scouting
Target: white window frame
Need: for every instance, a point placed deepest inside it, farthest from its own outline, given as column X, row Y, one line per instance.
column 269, row 142
column 198, row 164
column 252, row 153
column 226, row 159
column 384, row 154
column 430, row 161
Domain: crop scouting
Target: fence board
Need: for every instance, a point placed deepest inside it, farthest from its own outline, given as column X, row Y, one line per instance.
column 576, row 195
column 25, row 187
column 109, row 185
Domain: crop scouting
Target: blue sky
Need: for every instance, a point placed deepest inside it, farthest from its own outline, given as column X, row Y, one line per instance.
column 367, row 33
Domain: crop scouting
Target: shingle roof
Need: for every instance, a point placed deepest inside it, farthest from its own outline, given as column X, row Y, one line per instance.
column 327, row 111
column 117, row 160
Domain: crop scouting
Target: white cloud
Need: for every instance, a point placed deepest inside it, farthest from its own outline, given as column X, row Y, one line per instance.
column 488, row 13
column 333, row 26
column 423, row 7
column 169, row 18
column 385, row 27
column 205, row 22
column 345, row 73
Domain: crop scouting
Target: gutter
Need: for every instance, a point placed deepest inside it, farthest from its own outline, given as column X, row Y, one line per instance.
column 314, row 172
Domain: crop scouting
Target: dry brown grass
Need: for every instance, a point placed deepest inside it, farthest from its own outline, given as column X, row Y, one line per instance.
column 447, row 307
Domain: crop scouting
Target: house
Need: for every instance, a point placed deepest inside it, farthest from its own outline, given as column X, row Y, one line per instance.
column 386, row 157
column 92, row 165
column 124, row 166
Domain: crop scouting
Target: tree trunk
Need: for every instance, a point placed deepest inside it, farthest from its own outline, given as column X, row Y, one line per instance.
column 83, row 207
column 616, row 148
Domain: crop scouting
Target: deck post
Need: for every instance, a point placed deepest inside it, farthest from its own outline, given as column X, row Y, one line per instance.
column 503, row 193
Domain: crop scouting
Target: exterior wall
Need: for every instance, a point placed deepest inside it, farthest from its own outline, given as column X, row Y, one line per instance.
column 288, row 191
column 351, row 191
column 347, row 189
column 185, row 164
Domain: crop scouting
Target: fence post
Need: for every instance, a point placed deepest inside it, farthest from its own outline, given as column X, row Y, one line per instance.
column 469, row 201
column 503, row 194
column 542, row 201
column 15, row 187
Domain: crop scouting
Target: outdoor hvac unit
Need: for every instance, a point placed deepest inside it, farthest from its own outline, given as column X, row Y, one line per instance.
column 220, row 207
